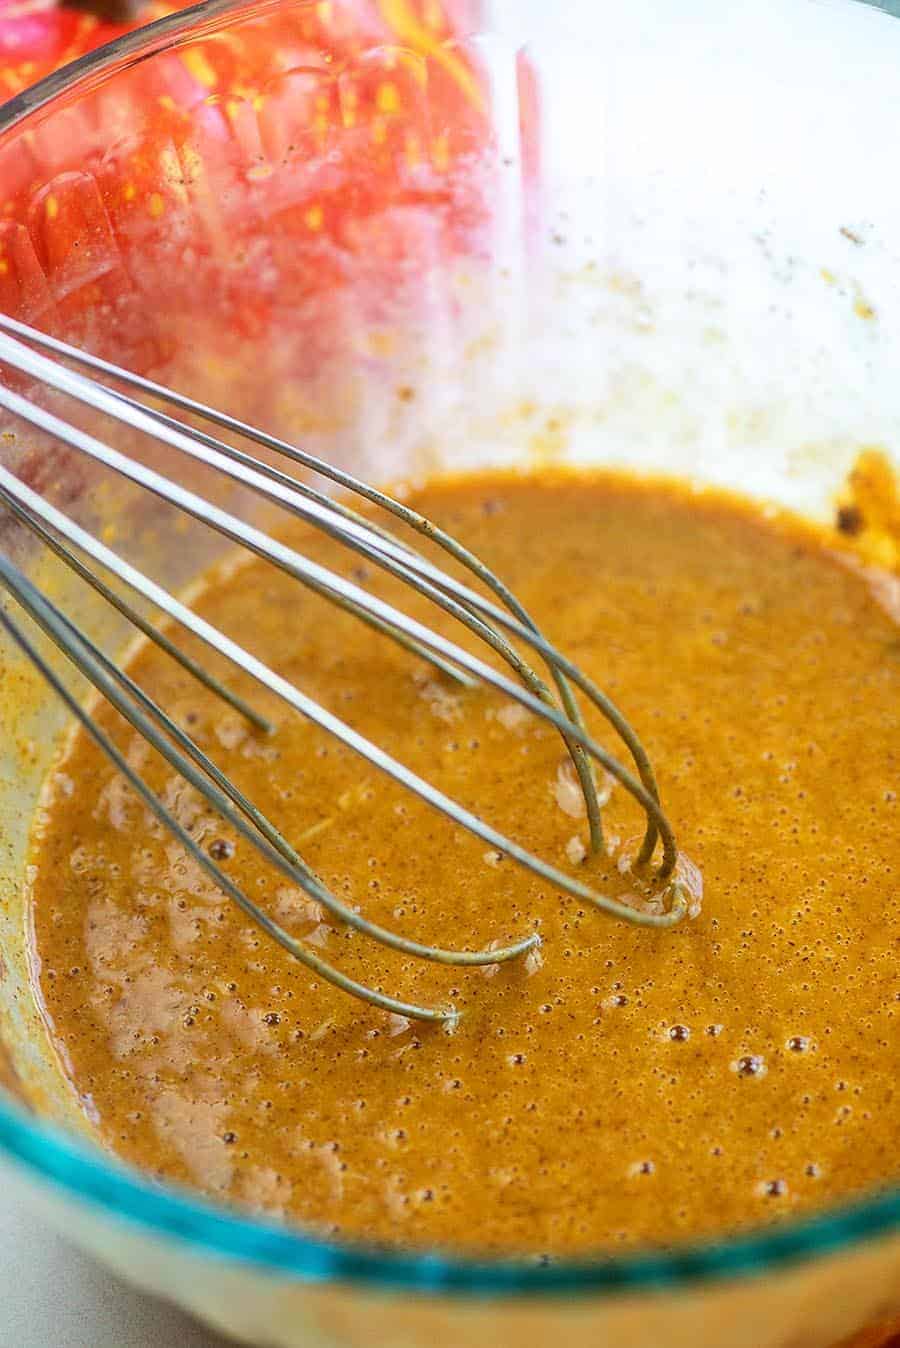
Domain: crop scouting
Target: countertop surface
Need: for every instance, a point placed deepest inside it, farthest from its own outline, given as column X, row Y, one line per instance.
column 52, row 1296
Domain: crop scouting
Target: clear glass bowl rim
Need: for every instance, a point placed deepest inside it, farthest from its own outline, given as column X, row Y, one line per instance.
column 85, row 1175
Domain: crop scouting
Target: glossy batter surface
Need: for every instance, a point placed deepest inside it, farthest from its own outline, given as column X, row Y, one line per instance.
column 626, row 1085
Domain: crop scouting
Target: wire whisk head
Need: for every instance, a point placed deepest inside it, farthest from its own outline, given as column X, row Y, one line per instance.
column 490, row 612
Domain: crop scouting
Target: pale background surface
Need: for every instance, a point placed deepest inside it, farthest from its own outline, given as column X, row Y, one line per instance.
column 52, row 1296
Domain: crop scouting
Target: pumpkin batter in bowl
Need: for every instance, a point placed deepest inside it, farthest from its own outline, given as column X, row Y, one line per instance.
column 619, row 1085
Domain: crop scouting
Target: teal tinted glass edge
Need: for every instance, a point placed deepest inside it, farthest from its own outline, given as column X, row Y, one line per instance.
column 85, row 1175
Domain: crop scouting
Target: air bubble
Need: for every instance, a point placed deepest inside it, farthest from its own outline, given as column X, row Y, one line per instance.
column 750, row 1065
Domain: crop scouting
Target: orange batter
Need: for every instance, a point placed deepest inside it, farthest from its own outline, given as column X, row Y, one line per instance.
column 622, row 1086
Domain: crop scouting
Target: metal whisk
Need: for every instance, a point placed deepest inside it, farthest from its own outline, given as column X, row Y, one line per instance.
column 493, row 619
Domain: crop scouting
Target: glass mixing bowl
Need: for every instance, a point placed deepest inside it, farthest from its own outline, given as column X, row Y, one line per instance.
column 657, row 236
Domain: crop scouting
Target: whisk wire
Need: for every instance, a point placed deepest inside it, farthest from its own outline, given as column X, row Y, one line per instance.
column 132, row 615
